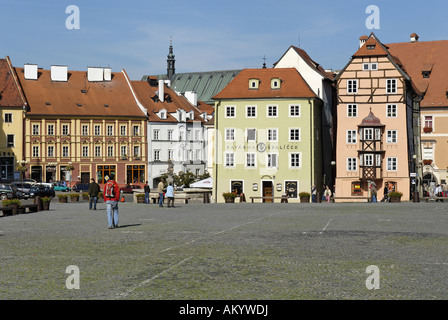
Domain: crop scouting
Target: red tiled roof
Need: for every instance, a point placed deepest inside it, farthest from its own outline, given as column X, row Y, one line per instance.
column 9, row 91
column 417, row 57
column 172, row 102
column 106, row 98
column 292, row 85
column 377, row 50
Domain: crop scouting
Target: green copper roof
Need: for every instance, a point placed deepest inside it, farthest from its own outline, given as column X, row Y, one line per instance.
column 205, row 84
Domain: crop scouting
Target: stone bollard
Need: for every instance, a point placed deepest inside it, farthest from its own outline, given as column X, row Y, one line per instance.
column 38, row 201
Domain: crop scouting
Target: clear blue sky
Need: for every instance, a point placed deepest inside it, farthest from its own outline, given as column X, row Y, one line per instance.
column 207, row 34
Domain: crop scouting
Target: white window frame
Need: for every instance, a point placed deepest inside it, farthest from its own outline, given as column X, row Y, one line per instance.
column 123, row 151
column 352, row 110
column 272, row 134
column 251, row 111
column 50, row 152
column 369, row 160
column 85, row 130
column 65, row 128
column 110, row 129
column 229, row 159
column 391, row 136
column 35, row 151
column 35, row 129
column 368, row 132
column 291, row 135
column 390, row 110
column 65, row 151
column 97, row 130
column 391, row 86
column 110, row 151
column 156, row 134
column 272, row 111
column 229, row 111
column 293, row 108
column 97, row 151
column 251, row 160
column 247, row 134
column 229, row 134
column 272, row 160
column 352, row 136
column 85, row 151
column 392, row 164
column 352, row 86
column 50, row 129
column 290, row 158
column 352, row 164
column 123, row 130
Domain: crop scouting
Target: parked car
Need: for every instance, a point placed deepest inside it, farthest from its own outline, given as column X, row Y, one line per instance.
column 41, row 191
column 81, row 187
column 30, row 181
column 57, row 186
column 129, row 188
column 23, row 189
column 7, row 191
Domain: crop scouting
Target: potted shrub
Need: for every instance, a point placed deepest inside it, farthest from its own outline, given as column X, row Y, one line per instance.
column 229, row 197
column 395, row 196
column 427, row 129
column 85, row 196
column 140, row 197
column 14, row 204
column 74, row 197
column 46, row 203
column 427, row 162
column 62, row 198
column 304, row 197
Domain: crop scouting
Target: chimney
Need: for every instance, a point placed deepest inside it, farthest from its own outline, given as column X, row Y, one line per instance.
column 161, row 90
column 192, row 97
column 59, row 73
column 414, row 37
column 30, row 71
column 362, row 40
column 107, row 74
column 95, row 74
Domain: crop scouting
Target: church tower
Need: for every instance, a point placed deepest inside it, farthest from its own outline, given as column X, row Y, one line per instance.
column 170, row 70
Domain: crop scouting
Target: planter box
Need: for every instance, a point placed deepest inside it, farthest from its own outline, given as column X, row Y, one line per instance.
column 305, row 199
column 46, row 206
column 140, row 199
column 63, row 200
column 395, row 199
column 230, row 200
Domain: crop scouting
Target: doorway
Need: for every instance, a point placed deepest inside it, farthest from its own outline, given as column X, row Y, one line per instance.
column 85, row 177
column 267, row 189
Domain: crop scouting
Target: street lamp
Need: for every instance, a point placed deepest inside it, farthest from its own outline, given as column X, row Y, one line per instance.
column 22, row 168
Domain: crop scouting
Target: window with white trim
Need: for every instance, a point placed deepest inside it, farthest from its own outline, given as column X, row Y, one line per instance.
column 251, row 111
column 391, row 111
column 85, row 151
column 352, row 86
column 85, row 130
column 368, row 160
column 35, row 129
column 35, row 151
column 50, row 130
column 251, row 160
column 110, row 151
column 65, row 153
column 392, row 164
column 272, row 111
column 97, row 151
column 391, row 136
column 294, row 134
column 351, row 136
column 294, row 160
column 294, row 110
column 272, row 135
column 368, row 134
column 230, row 134
column 123, row 151
column 272, row 160
column 50, row 151
column 230, row 112
column 391, row 85
column 251, row 134
column 65, row 130
column 352, row 164
column 229, row 160
column 352, row 110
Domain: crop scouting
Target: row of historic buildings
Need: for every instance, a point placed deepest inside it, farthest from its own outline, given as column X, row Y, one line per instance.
column 271, row 131
column 380, row 120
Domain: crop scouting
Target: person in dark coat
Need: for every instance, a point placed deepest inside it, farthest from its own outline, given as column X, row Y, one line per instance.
column 93, row 191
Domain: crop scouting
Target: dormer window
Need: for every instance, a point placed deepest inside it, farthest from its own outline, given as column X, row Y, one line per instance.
column 275, row 83
column 371, row 47
column 426, row 74
column 254, row 84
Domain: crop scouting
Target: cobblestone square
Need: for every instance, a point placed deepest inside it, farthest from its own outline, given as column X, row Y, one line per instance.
column 227, row 251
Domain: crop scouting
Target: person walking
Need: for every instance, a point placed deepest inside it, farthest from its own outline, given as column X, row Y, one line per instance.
column 160, row 187
column 327, row 194
column 170, row 195
column 313, row 193
column 147, row 190
column 94, row 189
column 373, row 191
column 111, row 195
column 386, row 191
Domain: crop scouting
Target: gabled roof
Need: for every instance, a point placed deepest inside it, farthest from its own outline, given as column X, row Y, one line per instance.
column 205, row 84
column 292, row 85
column 78, row 96
column 146, row 93
column 313, row 64
column 10, row 91
column 379, row 50
column 426, row 56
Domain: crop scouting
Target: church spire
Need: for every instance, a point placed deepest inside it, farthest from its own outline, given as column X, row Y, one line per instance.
column 170, row 70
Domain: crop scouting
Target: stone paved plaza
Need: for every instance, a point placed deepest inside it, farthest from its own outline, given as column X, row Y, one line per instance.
column 227, row 251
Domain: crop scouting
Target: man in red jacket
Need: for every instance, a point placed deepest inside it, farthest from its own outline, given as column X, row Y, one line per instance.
column 111, row 195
